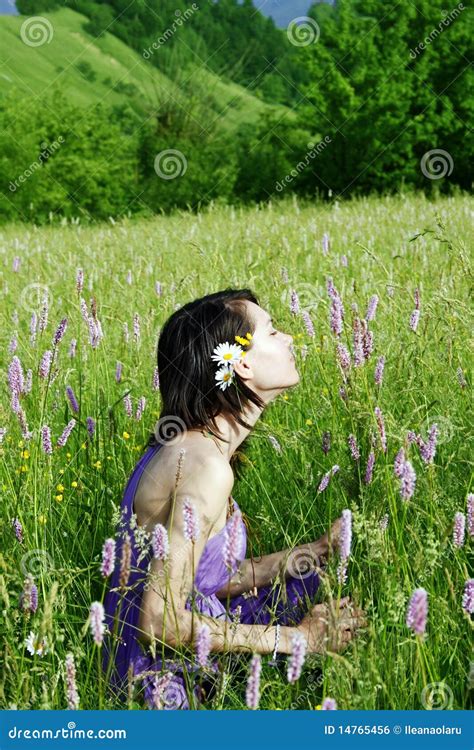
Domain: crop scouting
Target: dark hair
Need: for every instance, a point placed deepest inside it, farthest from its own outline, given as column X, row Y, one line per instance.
column 186, row 371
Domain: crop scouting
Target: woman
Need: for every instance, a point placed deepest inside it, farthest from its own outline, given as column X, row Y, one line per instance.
column 220, row 362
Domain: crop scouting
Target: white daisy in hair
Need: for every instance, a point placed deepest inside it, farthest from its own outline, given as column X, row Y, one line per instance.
column 224, row 377
column 227, row 354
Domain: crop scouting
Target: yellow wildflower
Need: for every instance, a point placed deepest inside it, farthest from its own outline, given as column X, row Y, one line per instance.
column 309, row 422
column 68, row 455
column 61, row 471
column 60, row 488
column 242, row 341
column 73, row 484
column 21, row 443
column 98, row 464
column 25, row 454
column 59, row 498
column 125, row 435
column 42, row 519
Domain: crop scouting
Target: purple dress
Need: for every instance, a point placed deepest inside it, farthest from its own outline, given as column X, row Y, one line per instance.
column 125, row 658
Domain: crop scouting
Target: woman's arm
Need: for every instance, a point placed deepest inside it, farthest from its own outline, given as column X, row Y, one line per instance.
column 285, row 563
column 224, row 636
column 163, row 616
column 264, row 571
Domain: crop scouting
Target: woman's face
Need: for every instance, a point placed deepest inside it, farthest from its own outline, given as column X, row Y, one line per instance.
column 269, row 364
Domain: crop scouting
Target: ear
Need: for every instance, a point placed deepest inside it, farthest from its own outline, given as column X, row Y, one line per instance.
column 244, row 369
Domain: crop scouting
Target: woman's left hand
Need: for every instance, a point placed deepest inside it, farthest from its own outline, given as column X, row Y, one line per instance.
column 322, row 545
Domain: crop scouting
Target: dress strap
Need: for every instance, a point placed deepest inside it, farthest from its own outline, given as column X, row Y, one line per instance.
column 132, row 484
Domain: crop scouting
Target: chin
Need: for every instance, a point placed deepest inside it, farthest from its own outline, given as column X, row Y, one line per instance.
column 294, row 379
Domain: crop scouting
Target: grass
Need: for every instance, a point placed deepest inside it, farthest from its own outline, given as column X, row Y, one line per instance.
column 392, row 246
column 90, row 70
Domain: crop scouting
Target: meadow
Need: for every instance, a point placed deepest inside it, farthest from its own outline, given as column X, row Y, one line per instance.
column 401, row 268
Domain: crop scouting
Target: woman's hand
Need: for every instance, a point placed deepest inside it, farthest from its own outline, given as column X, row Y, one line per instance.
column 322, row 546
column 328, row 629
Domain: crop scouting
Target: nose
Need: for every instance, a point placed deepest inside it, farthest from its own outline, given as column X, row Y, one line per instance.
column 290, row 343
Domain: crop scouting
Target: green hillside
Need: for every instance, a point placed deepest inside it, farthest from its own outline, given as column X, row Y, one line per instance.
column 91, row 70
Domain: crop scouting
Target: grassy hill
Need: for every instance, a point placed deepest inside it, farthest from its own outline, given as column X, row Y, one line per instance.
column 91, row 70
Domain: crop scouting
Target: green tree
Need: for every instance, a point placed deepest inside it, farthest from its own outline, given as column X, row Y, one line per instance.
column 267, row 153
column 384, row 101
column 55, row 158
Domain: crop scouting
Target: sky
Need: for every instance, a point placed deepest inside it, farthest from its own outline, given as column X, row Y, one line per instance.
column 7, row 8
column 283, row 11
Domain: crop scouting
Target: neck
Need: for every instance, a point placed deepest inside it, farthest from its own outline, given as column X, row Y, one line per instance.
column 233, row 432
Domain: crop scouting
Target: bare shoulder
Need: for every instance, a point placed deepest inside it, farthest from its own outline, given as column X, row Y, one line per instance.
column 207, row 480
column 207, row 476
column 190, row 464
column 203, row 476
